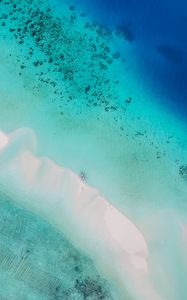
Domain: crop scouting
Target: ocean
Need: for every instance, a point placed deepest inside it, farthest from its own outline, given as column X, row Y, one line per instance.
column 157, row 30
column 102, row 85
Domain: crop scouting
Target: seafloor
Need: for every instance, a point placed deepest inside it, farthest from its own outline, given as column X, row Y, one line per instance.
column 64, row 76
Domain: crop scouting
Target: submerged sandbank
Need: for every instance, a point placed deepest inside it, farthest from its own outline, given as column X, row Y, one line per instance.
column 136, row 263
column 89, row 221
column 128, row 146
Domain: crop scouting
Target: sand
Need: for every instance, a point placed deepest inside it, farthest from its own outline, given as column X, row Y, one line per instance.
column 128, row 145
column 93, row 225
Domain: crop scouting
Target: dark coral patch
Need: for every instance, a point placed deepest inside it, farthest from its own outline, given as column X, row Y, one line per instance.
column 171, row 53
column 125, row 32
column 183, row 172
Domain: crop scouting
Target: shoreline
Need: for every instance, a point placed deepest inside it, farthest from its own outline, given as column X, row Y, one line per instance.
column 132, row 154
column 60, row 196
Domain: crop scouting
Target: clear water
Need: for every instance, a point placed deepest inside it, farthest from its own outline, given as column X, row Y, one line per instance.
column 157, row 31
column 90, row 92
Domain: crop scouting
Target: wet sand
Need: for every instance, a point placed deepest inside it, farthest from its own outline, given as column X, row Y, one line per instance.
column 89, row 102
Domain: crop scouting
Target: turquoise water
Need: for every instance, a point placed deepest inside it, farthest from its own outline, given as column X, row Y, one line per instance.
column 80, row 88
column 38, row 263
column 157, row 31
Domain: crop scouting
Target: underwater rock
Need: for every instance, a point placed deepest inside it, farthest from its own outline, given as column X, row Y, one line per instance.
column 90, row 288
column 183, row 172
column 125, row 32
column 171, row 53
column 116, row 55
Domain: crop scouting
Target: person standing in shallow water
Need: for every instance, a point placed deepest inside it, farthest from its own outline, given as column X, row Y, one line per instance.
column 83, row 176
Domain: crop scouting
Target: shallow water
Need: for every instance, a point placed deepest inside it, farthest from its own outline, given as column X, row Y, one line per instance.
column 82, row 89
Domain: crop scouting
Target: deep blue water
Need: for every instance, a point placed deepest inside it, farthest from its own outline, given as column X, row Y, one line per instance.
column 158, row 30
